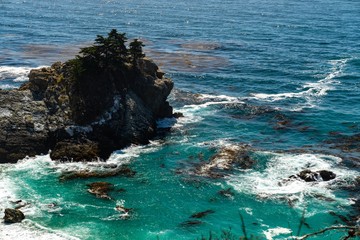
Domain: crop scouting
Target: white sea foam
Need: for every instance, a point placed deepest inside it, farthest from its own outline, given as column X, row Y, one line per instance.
column 42, row 165
column 28, row 230
column 218, row 98
column 273, row 232
column 7, row 193
column 7, row 86
column 16, row 74
column 125, row 155
column 311, row 90
column 37, row 168
column 196, row 112
column 10, row 188
column 273, row 181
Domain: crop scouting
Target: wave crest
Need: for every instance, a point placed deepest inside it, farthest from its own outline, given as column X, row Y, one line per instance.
column 311, row 90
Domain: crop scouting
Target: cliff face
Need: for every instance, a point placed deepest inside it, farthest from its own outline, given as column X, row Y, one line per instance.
column 84, row 118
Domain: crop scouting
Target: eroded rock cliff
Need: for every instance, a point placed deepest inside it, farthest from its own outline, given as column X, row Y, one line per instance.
column 84, row 109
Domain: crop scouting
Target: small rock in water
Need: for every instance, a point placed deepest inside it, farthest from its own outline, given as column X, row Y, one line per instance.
column 226, row 192
column 100, row 189
column 120, row 171
column 21, row 205
column 178, row 115
column 190, row 223
column 52, row 205
column 327, row 175
column 310, row 176
column 125, row 212
column 121, row 190
column 227, row 159
column 202, row 214
column 13, row 215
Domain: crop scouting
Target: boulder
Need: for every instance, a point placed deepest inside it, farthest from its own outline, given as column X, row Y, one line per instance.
column 148, row 67
column 75, row 151
column 13, row 215
column 178, row 115
column 311, row 176
column 326, row 175
column 39, row 80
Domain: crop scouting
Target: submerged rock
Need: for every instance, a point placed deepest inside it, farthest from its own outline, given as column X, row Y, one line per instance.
column 228, row 158
column 13, row 215
column 229, row 193
column 84, row 109
column 190, row 223
column 202, row 214
column 100, row 189
column 349, row 144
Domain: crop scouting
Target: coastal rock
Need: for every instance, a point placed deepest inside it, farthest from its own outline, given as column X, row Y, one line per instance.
column 310, row 176
column 100, row 189
column 178, row 115
column 13, row 215
column 85, row 108
column 23, row 125
column 228, row 158
column 102, row 173
column 75, row 151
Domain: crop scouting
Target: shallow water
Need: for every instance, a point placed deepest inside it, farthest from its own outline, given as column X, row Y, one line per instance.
column 280, row 76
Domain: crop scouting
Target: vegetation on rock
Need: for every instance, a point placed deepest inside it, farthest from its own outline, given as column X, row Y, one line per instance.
column 107, row 53
column 107, row 59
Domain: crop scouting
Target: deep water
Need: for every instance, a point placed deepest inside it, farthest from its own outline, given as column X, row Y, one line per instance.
column 280, row 76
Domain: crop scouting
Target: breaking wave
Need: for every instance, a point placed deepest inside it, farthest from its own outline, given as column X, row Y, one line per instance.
column 13, row 75
column 311, row 91
column 273, row 180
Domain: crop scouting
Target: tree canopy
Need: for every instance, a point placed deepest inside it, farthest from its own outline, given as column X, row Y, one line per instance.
column 110, row 52
column 136, row 51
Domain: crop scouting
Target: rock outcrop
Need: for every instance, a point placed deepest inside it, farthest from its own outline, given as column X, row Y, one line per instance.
column 314, row 176
column 100, row 189
column 227, row 159
column 84, row 109
column 13, row 215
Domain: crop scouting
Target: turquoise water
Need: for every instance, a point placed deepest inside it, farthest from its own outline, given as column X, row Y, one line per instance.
column 240, row 68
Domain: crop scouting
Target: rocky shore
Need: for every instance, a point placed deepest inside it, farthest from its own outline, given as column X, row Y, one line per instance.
column 87, row 107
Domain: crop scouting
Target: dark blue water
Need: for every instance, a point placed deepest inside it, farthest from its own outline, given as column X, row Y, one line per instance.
column 280, row 76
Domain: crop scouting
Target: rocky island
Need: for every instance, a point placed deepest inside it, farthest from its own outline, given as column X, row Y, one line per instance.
column 107, row 97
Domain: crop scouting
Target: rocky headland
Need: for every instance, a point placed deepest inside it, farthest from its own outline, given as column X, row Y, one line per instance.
column 106, row 98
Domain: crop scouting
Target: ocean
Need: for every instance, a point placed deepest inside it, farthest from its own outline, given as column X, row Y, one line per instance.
column 280, row 77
